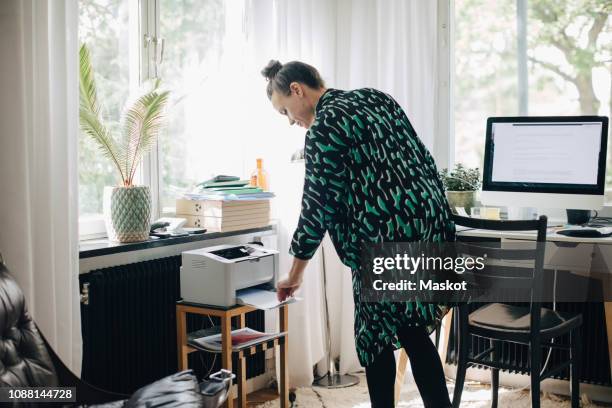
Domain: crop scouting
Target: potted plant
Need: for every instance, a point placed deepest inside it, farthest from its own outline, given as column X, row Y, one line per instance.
column 461, row 185
column 127, row 207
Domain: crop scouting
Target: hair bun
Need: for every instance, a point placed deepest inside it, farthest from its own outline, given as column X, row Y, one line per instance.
column 271, row 69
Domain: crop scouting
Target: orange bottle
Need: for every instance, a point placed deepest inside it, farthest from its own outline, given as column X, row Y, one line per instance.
column 259, row 177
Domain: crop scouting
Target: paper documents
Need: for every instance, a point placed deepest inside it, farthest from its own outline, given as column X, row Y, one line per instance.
column 261, row 298
column 241, row 339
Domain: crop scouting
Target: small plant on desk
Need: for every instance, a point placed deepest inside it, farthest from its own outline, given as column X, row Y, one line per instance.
column 461, row 185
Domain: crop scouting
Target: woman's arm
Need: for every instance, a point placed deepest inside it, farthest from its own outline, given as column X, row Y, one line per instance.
column 322, row 161
column 323, row 186
column 287, row 287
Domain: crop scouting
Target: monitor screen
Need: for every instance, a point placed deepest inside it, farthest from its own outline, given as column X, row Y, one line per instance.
column 546, row 154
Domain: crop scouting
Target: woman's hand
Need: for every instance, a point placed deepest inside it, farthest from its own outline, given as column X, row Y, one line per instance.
column 287, row 287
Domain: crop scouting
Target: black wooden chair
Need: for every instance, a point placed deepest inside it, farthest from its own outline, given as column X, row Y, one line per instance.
column 534, row 325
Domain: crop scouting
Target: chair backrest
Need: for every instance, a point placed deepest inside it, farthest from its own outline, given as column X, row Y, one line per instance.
column 24, row 358
column 534, row 278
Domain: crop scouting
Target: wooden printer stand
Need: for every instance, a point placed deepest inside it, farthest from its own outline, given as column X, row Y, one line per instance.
column 226, row 315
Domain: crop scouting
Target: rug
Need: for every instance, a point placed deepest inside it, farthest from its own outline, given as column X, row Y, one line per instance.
column 475, row 395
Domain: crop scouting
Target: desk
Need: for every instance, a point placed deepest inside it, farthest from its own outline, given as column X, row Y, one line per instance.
column 226, row 316
column 582, row 256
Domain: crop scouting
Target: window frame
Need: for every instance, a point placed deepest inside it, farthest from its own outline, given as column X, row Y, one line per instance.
column 149, row 167
column 444, row 132
column 91, row 227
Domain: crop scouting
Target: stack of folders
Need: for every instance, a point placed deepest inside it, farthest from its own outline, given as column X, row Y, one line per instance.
column 225, row 206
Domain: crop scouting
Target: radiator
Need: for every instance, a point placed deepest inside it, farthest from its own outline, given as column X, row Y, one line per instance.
column 129, row 327
column 594, row 343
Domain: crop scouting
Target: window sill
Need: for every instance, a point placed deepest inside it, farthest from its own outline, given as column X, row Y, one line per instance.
column 100, row 247
column 91, row 227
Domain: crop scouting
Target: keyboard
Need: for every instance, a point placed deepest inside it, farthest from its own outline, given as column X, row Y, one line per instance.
column 586, row 232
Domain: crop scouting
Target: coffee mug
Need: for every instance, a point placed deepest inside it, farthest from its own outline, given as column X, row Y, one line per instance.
column 579, row 217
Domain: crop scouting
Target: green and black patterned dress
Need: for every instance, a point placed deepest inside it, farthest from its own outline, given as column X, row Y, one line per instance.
column 369, row 178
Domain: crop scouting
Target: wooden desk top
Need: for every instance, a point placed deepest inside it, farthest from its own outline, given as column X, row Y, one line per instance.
column 551, row 236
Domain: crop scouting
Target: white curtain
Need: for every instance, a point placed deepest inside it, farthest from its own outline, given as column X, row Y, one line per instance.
column 385, row 44
column 38, row 164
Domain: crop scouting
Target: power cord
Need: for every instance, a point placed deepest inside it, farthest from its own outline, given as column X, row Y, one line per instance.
column 600, row 221
column 212, row 324
column 552, row 340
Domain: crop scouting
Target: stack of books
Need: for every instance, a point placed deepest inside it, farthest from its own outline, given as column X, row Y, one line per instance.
column 222, row 206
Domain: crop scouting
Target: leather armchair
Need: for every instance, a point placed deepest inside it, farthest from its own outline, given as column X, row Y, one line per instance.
column 27, row 360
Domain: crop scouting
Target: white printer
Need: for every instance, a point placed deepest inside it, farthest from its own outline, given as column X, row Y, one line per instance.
column 213, row 275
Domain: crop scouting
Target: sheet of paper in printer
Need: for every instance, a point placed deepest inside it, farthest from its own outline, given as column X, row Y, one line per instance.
column 261, row 298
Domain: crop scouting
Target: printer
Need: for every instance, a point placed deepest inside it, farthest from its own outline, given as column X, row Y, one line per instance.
column 212, row 275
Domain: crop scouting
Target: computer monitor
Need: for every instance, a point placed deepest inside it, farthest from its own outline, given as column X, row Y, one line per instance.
column 546, row 162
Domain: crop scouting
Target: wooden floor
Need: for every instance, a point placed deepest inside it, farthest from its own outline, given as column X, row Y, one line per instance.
column 259, row 397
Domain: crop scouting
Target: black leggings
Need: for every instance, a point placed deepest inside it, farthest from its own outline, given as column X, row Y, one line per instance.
column 426, row 368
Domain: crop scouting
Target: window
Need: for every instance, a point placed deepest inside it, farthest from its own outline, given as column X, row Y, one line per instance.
column 103, row 26
column 187, row 45
column 528, row 57
column 194, row 32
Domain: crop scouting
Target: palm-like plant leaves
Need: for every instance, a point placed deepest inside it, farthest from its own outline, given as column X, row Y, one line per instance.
column 87, row 86
column 142, row 123
column 89, row 111
column 143, row 120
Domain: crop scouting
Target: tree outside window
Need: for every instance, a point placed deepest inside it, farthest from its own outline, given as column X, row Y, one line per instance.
column 568, row 61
